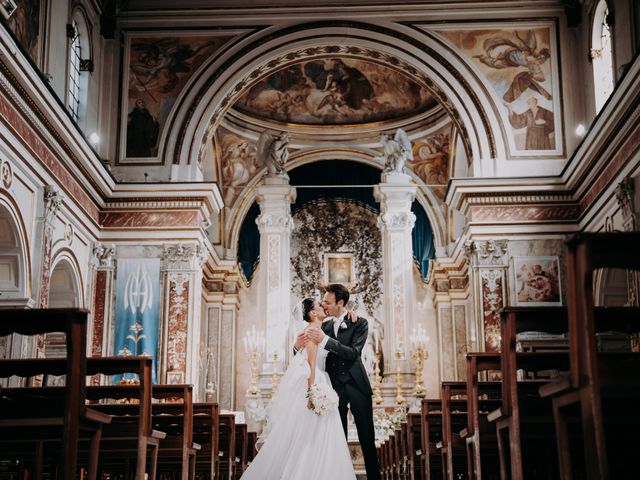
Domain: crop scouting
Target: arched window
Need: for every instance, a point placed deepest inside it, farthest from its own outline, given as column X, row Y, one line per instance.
column 602, row 55
column 75, row 57
column 80, row 64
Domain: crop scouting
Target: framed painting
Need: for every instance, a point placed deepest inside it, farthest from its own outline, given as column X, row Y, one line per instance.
column 339, row 268
column 537, row 281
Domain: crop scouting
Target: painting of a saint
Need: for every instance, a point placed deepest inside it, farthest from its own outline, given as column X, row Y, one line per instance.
column 519, row 65
column 158, row 69
column 25, row 25
column 142, row 131
column 537, row 280
column 538, row 122
column 335, row 91
column 338, row 268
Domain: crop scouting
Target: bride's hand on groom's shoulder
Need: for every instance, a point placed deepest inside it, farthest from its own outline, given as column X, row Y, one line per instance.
column 353, row 316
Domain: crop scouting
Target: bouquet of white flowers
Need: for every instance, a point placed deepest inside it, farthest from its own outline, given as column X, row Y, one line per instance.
column 324, row 399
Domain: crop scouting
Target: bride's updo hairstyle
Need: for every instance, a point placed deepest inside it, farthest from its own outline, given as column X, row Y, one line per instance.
column 307, row 306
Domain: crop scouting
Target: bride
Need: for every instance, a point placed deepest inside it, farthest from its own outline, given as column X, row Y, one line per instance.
column 297, row 442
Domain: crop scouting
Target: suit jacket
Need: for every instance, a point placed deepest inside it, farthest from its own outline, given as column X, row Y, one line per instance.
column 344, row 362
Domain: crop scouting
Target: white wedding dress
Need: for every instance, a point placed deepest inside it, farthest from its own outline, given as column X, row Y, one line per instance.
column 298, row 444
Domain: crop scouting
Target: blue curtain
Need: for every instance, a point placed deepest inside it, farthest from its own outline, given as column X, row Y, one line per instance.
column 331, row 173
column 249, row 242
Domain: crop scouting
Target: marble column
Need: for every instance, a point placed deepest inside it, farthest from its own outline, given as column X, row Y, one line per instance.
column 103, row 267
column 488, row 262
column 395, row 195
column 52, row 201
column 275, row 197
column 218, row 343
column 182, row 284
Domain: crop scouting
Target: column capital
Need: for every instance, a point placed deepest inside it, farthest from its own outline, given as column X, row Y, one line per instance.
column 487, row 253
column 183, row 256
column 398, row 221
column 103, row 256
column 52, row 201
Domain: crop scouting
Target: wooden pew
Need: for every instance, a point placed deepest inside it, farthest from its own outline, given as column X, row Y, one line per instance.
column 414, row 446
column 40, row 418
column 482, row 397
column 240, row 459
column 227, row 446
column 431, row 436
column 130, row 433
column 454, row 415
column 597, row 381
column 523, row 415
column 206, row 432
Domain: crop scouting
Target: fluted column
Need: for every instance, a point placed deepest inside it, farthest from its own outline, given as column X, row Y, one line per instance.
column 396, row 221
column 275, row 197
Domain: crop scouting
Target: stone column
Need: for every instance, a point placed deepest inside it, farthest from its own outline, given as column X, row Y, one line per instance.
column 182, row 283
column 52, row 202
column 103, row 266
column 488, row 261
column 395, row 195
column 275, row 197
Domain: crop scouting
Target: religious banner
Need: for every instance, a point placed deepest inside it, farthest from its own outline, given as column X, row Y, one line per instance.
column 137, row 308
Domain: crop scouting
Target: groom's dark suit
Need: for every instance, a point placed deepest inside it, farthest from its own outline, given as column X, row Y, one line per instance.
column 349, row 379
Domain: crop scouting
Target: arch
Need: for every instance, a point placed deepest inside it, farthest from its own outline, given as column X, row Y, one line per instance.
column 611, row 287
column 602, row 54
column 254, row 57
column 247, row 197
column 15, row 262
column 66, row 287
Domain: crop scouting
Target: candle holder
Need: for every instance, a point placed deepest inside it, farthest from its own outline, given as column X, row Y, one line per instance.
column 400, row 400
column 274, row 376
column 377, row 391
column 254, row 343
column 419, row 340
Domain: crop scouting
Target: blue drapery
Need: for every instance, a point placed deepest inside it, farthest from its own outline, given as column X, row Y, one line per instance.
column 335, row 172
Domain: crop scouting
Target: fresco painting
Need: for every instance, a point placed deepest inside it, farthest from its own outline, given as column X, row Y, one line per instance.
column 335, row 91
column 24, row 22
column 430, row 162
column 158, row 70
column 239, row 163
column 518, row 64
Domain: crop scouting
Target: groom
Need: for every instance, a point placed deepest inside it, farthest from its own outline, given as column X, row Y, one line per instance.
column 344, row 340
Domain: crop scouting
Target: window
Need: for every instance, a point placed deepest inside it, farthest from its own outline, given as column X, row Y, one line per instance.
column 602, row 55
column 75, row 51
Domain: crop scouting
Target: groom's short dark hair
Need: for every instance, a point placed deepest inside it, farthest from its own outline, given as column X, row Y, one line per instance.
column 340, row 292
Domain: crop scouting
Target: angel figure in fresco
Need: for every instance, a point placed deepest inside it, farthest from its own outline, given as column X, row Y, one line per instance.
column 431, row 159
column 396, row 151
column 158, row 64
column 538, row 122
column 274, row 153
column 501, row 52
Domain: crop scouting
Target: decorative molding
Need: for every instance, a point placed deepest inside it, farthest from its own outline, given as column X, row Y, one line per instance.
column 103, row 256
column 6, row 174
column 183, row 256
column 397, row 220
column 274, row 223
column 52, row 201
column 177, row 324
column 625, row 194
column 137, row 219
column 489, row 252
column 492, row 300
